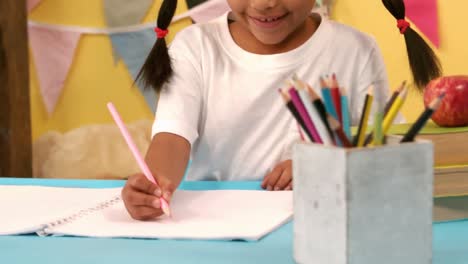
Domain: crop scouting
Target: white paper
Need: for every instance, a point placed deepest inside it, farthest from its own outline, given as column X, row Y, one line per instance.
column 213, row 215
column 26, row 209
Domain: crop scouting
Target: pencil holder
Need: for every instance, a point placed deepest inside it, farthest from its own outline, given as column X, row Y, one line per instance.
column 363, row 205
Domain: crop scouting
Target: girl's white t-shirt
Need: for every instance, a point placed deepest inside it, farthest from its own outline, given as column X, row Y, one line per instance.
column 225, row 101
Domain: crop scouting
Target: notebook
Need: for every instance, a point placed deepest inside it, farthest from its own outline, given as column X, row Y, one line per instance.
column 210, row 215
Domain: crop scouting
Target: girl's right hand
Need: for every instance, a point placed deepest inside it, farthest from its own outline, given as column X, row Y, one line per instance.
column 142, row 197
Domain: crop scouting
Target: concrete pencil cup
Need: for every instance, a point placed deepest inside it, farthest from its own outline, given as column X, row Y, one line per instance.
column 363, row 205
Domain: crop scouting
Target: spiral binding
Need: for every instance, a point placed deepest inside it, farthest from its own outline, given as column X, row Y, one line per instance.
column 82, row 213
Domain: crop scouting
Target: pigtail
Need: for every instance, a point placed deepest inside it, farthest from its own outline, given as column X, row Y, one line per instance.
column 157, row 68
column 425, row 65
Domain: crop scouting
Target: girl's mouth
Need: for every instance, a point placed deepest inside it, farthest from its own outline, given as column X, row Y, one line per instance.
column 267, row 21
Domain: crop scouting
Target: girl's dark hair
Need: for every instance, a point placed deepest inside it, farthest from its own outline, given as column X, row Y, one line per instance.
column 157, row 68
column 424, row 64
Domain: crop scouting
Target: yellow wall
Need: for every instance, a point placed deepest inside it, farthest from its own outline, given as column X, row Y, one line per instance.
column 94, row 80
column 375, row 20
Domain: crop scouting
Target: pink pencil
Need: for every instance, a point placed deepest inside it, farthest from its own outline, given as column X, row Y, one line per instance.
column 136, row 153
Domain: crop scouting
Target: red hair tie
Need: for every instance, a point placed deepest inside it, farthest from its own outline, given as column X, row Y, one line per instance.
column 161, row 33
column 403, row 25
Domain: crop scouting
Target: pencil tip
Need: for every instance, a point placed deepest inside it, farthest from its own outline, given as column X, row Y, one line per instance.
column 370, row 90
column 334, row 124
column 404, row 92
column 402, row 86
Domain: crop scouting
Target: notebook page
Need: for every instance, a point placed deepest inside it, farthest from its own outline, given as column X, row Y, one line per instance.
column 27, row 209
column 221, row 214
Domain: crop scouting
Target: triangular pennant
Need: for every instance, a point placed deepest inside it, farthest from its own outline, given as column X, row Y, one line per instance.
column 53, row 52
column 31, row 4
column 120, row 13
column 205, row 11
column 133, row 48
column 424, row 15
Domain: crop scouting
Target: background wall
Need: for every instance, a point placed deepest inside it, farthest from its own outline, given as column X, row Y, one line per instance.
column 94, row 79
column 371, row 16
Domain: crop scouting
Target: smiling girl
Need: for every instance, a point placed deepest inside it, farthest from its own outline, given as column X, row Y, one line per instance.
column 218, row 101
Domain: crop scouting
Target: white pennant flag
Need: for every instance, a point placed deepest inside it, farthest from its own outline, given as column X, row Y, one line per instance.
column 205, row 12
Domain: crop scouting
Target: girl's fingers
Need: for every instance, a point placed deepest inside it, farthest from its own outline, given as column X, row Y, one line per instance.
column 271, row 179
column 140, row 183
column 144, row 212
column 136, row 198
column 283, row 180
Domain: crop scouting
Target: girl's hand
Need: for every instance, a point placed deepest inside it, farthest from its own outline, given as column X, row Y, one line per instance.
column 141, row 197
column 280, row 178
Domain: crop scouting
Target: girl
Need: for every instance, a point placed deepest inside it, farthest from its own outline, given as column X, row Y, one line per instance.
column 218, row 102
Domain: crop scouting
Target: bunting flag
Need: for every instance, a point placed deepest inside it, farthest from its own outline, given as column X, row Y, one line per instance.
column 53, row 52
column 31, row 4
column 120, row 13
column 424, row 15
column 133, row 48
column 53, row 46
column 205, row 11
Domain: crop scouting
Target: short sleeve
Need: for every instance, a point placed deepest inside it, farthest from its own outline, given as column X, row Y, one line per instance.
column 372, row 72
column 180, row 101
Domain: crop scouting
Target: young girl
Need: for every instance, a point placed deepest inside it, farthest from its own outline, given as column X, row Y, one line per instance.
column 218, row 84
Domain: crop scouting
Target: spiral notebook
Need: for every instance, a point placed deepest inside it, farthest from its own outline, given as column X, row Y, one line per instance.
column 213, row 215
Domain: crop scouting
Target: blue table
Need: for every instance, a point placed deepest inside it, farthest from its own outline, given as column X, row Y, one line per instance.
column 450, row 244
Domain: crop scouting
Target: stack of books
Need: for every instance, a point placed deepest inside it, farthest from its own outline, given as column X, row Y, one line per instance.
column 450, row 168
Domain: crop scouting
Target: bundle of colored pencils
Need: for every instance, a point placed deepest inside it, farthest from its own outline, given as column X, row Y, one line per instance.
column 326, row 119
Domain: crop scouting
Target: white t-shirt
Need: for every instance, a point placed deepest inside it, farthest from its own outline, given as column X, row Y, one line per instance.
column 225, row 101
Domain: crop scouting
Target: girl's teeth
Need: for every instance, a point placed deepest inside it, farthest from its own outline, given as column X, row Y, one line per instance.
column 268, row 19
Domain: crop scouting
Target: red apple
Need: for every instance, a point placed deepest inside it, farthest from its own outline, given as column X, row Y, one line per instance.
column 454, row 108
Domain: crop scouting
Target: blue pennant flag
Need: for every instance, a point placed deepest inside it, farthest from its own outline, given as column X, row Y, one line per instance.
column 133, row 48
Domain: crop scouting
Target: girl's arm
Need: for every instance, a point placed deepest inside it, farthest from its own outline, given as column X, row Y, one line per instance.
column 167, row 158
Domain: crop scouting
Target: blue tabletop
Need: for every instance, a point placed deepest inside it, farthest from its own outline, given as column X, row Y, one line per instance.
column 450, row 240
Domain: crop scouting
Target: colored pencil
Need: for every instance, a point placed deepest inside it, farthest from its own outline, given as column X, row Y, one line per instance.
column 396, row 106
column 336, row 97
column 387, row 108
column 366, row 109
column 336, row 127
column 317, row 102
column 378, row 135
column 136, row 154
column 327, row 98
column 394, row 96
column 303, row 113
column 423, row 118
column 292, row 109
column 346, row 123
column 315, row 116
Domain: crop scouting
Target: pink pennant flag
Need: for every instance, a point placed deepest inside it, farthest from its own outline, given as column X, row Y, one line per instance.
column 424, row 15
column 31, row 4
column 206, row 11
column 53, row 51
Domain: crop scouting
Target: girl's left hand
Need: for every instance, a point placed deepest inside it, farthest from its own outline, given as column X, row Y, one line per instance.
column 280, row 178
